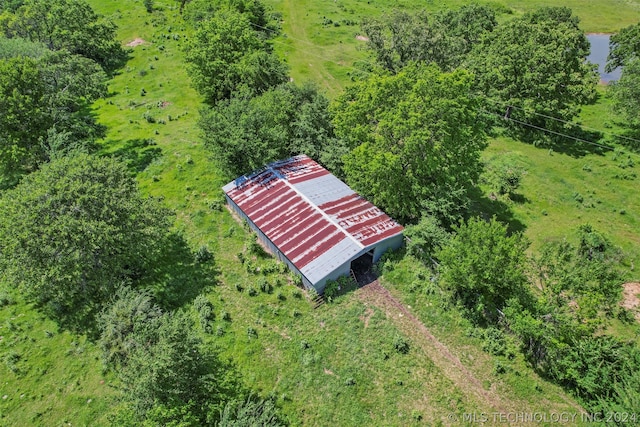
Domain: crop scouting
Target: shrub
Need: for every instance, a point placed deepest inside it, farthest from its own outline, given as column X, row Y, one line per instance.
column 252, row 333
column 252, row 292
column 331, row 290
column 401, row 345
column 203, row 255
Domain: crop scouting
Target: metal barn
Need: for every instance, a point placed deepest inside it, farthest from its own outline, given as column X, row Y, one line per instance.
column 311, row 220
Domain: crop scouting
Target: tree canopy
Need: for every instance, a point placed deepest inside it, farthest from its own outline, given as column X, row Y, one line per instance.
column 414, row 141
column 484, row 267
column 625, row 52
column 74, row 232
column 537, row 65
column 228, row 57
column 44, row 109
column 245, row 134
column 624, row 47
column 444, row 38
column 165, row 374
column 71, row 25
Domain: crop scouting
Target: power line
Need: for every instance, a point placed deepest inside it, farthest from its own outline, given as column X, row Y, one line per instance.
column 562, row 121
column 505, row 117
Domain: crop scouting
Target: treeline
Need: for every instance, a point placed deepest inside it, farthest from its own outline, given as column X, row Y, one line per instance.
column 79, row 240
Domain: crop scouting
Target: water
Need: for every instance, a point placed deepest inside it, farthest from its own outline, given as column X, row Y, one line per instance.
column 599, row 53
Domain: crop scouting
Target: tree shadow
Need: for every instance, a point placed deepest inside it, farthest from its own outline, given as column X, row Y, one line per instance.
column 138, row 153
column 575, row 141
column 487, row 207
column 176, row 278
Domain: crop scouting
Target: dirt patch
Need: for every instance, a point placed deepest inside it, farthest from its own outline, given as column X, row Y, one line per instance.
column 136, row 42
column 631, row 298
column 410, row 325
column 165, row 104
column 362, row 38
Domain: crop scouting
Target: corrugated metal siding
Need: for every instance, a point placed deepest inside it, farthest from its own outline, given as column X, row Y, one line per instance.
column 312, row 217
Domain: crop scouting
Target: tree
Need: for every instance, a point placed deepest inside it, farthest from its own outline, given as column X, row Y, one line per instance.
column 73, row 232
column 247, row 133
column 425, row 238
column 624, row 47
column 414, row 141
column 66, row 24
column 10, row 48
column 626, row 94
column 44, row 109
column 128, row 322
column 484, row 267
column 171, row 376
column 227, row 56
column 201, row 10
column 443, row 38
column 533, row 69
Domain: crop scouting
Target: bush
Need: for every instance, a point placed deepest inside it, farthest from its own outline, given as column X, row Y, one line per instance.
column 203, row 255
column 401, row 345
column 494, row 342
column 252, row 333
column 331, row 290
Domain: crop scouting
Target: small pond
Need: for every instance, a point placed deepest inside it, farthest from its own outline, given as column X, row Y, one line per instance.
column 599, row 53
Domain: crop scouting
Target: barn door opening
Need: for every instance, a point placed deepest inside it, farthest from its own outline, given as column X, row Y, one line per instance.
column 362, row 268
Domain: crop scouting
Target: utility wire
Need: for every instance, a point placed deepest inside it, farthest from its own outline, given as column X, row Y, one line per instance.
column 504, row 117
column 562, row 121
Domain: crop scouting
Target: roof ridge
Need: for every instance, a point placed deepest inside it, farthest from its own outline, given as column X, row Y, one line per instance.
column 320, row 211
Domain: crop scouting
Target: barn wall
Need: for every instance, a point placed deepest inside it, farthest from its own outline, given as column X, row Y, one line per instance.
column 343, row 270
column 394, row 242
column 268, row 243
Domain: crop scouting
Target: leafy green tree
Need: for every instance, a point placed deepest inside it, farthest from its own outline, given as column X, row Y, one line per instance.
column 534, row 67
column 484, row 267
column 127, row 323
column 226, row 56
column 626, row 94
column 247, row 133
column 444, row 38
column 624, row 47
column 44, row 109
column 414, row 141
column 201, row 10
column 425, row 238
column 66, row 24
column 10, row 48
column 171, row 371
column 73, row 232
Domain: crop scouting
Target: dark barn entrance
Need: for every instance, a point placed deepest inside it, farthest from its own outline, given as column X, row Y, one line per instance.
column 362, row 268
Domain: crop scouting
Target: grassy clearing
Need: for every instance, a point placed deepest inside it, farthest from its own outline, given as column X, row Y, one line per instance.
column 560, row 192
column 48, row 377
column 319, row 38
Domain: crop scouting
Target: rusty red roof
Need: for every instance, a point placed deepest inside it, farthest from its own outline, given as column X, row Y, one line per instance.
column 312, row 217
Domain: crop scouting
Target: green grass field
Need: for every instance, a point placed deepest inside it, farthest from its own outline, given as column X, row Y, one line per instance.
column 335, row 365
